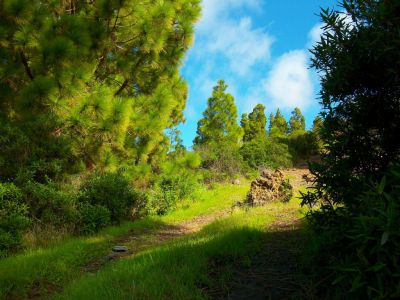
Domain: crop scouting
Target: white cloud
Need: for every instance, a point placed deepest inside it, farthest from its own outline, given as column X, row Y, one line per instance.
column 213, row 10
column 289, row 83
column 314, row 34
column 241, row 45
column 236, row 41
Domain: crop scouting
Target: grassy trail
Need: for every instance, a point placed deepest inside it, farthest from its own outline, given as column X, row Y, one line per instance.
column 39, row 273
column 202, row 250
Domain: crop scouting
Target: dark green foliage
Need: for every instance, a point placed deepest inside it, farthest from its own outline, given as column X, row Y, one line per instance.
column 358, row 225
column 49, row 205
column 13, row 218
column 302, row 145
column 360, row 96
column 361, row 249
column 266, row 153
column 114, row 192
column 92, row 218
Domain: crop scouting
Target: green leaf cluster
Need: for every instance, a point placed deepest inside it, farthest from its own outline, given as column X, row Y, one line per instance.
column 94, row 82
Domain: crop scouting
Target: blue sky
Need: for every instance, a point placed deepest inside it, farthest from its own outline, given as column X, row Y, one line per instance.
column 259, row 47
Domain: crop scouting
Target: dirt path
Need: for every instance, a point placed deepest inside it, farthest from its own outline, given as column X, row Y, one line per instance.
column 139, row 240
column 273, row 272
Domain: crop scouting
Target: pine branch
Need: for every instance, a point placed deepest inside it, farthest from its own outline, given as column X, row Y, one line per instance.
column 125, row 83
column 26, row 66
column 122, row 87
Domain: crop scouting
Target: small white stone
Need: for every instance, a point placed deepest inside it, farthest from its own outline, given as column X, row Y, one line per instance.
column 120, row 249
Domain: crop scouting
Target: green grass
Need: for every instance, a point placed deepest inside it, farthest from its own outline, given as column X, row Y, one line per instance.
column 178, row 269
column 58, row 264
column 208, row 202
column 64, row 261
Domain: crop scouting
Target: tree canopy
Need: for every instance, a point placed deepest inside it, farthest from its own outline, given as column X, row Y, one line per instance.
column 219, row 122
column 297, row 121
column 278, row 126
column 90, row 80
column 254, row 124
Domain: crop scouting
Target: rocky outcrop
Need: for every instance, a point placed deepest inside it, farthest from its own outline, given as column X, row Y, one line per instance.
column 269, row 187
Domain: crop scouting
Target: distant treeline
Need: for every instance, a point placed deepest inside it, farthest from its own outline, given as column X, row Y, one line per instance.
column 227, row 148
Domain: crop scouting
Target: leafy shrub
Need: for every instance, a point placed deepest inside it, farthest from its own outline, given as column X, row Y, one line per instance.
column 113, row 191
column 93, row 218
column 13, row 218
column 20, row 153
column 222, row 158
column 361, row 252
column 269, row 153
column 302, row 145
column 49, row 205
column 14, row 151
column 170, row 190
column 286, row 189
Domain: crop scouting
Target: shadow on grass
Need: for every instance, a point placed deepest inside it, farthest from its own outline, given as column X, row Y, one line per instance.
column 40, row 272
column 220, row 262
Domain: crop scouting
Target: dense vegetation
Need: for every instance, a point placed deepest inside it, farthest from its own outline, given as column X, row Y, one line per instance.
column 90, row 100
column 90, row 97
column 88, row 89
column 357, row 183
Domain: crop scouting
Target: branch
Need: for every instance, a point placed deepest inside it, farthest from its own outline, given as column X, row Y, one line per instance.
column 25, row 63
column 122, row 87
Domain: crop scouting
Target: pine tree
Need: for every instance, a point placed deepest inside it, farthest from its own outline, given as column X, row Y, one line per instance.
column 244, row 123
column 297, row 121
column 280, row 127
column 271, row 121
column 317, row 124
column 219, row 122
column 87, row 80
column 254, row 129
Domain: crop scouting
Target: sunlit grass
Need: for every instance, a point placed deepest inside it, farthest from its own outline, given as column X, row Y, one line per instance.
column 172, row 270
column 64, row 261
column 209, row 201
column 178, row 269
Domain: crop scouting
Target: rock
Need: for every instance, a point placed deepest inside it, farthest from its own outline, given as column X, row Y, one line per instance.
column 269, row 187
column 236, row 182
column 120, row 249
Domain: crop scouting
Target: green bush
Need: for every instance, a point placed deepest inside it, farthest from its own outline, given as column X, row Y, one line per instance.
column 13, row 218
column 14, row 151
column 49, row 205
column 114, row 192
column 360, row 253
column 92, row 218
column 270, row 153
column 302, row 145
column 286, row 189
column 170, row 190
column 222, row 158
